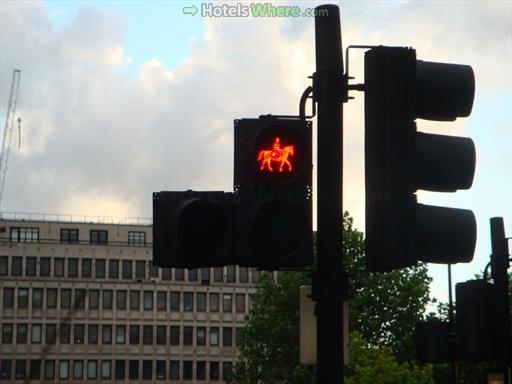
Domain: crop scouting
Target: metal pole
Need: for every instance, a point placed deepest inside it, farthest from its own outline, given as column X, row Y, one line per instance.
column 451, row 318
column 329, row 87
column 499, row 267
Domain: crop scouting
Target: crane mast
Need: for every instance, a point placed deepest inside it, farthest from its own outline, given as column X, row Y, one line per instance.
column 9, row 124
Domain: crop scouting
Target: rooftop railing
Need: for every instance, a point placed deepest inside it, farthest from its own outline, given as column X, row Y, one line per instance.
column 70, row 218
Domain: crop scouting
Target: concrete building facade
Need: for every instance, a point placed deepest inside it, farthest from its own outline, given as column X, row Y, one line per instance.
column 81, row 302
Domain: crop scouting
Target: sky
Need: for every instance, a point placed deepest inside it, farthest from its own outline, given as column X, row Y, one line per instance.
column 119, row 99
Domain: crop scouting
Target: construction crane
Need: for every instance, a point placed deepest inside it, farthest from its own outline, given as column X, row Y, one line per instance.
column 9, row 123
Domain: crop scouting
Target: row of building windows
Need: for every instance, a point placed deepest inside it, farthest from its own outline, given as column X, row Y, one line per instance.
column 124, row 299
column 71, row 236
column 73, row 267
column 120, row 334
column 113, row 369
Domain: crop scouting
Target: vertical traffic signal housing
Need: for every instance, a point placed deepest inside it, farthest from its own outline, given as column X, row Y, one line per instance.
column 192, row 229
column 272, row 178
column 399, row 160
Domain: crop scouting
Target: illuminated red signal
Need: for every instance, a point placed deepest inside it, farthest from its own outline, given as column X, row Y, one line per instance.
column 276, row 154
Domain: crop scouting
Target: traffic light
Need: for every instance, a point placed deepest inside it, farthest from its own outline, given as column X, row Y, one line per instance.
column 272, row 183
column 399, row 160
column 193, row 229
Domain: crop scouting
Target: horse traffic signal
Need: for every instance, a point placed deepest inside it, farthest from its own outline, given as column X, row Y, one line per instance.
column 399, row 160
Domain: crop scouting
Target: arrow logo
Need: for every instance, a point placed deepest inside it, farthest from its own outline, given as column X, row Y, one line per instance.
column 190, row 10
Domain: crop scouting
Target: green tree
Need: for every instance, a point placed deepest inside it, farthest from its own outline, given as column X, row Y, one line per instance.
column 383, row 312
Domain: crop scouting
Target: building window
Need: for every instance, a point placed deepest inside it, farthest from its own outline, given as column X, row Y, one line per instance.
column 120, row 334
column 243, row 274
column 87, row 268
column 5, row 369
column 147, row 334
column 188, row 301
column 65, row 298
column 64, row 333
column 21, row 369
column 214, row 302
column 92, row 333
column 205, row 276
column 51, row 298
column 153, row 270
column 22, row 297
column 21, row 333
column 100, row 268
column 133, row 370
column 227, row 302
column 63, row 369
column 79, row 299
column 127, row 269
column 134, row 299
column 188, row 335
column 175, row 335
column 161, row 338
column 4, row 265
column 201, row 301
column 214, row 336
column 24, row 235
column 147, row 369
column 50, row 333
column 226, row 368
column 200, row 336
column 166, row 273
column 240, row 302
column 137, row 239
column 16, row 265
column 140, row 269
column 148, row 300
column 49, row 369
column 94, row 299
column 237, row 335
column 106, row 334
column 35, row 370
column 31, row 266
column 192, row 274
column 113, row 269
column 106, row 368
column 72, row 267
column 44, row 267
column 134, row 334
column 230, row 273
column 36, row 335
column 69, row 236
column 214, row 370
column 37, row 297
column 187, row 370
column 98, row 237
column 174, row 368
column 161, row 300
column 79, row 333
column 6, row 333
column 92, row 369
column 8, row 297
column 121, row 299
column 160, row 369
column 58, row 267
column 78, row 369
column 201, row 370
column 179, row 274
column 227, row 336
column 107, row 299
column 119, row 370
column 218, row 274
column 175, row 301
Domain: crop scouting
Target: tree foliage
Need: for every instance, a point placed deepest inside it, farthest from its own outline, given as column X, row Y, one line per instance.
column 383, row 311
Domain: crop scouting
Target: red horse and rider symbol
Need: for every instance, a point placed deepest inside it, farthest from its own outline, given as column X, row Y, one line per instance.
column 276, row 154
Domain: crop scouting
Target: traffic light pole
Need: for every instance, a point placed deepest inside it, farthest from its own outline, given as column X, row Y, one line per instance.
column 329, row 90
column 499, row 267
